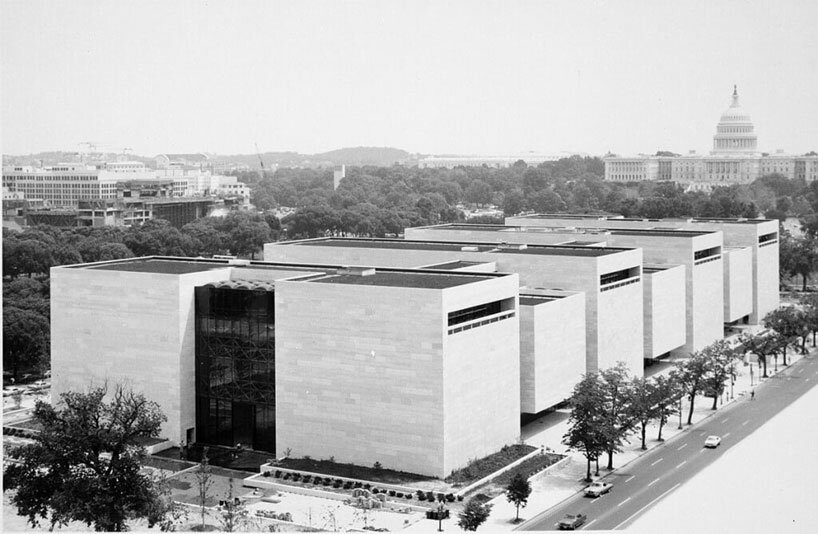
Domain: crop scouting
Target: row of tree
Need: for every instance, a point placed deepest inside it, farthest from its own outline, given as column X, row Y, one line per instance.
column 35, row 250
column 572, row 184
column 608, row 406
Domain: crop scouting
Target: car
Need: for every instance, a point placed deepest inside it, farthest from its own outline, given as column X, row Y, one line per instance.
column 598, row 488
column 571, row 521
column 712, row 442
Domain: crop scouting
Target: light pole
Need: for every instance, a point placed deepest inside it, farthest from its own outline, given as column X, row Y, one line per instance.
column 680, row 412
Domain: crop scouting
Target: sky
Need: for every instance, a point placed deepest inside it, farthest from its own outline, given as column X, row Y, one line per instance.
column 445, row 77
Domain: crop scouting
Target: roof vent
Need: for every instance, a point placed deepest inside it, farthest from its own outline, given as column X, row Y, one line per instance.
column 356, row 271
column 469, row 249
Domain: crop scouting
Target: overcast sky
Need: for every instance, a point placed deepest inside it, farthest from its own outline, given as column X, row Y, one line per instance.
column 466, row 77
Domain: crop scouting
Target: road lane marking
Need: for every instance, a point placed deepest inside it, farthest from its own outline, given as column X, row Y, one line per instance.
column 623, row 502
column 656, row 462
column 681, row 464
column 726, row 435
column 725, row 419
column 654, row 482
column 639, row 511
column 631, row 478
column 682, row 447
column 589, row 524
column 701, row 451
column 745, row 422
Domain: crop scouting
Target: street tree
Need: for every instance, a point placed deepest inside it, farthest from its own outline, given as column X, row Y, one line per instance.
column 616, row 424
column 762, row 345
column 667, row 391
column 791, row 324
column 810, row 307
column 720, row 359
column 692, row 372
column 474, row 514
column 585, row 421
column 517, row 492
column 85, row 464
column 642, row 407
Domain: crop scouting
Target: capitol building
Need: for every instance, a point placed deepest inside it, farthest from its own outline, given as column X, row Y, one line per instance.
column 734, row 159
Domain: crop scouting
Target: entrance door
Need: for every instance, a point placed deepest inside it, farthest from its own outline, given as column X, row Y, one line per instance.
column 244, row 423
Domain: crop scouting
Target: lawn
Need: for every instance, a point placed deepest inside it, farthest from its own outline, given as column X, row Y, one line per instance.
column 478, row 469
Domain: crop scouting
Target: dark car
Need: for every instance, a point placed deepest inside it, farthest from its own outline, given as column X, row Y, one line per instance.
column 571, row 521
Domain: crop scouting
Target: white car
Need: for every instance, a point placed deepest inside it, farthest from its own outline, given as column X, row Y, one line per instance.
column 598, row 488
column 712, row 442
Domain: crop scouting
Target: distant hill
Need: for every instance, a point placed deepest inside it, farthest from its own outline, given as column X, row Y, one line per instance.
column 365, row 155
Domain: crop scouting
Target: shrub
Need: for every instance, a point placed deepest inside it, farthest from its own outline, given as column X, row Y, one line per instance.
column 307, row 479
column 408, row 496
column 399, row 495
column 377, row 466
column 359, row 484
column 449, row 497
column 336, row 484
column 367, row 486
column 420, row 493
column 278, row 473
column 347, row 485
column 430, row 496
column 266, row 474
column 440, row 497
column 392, row 493
column 375, row 491
column 317, row 481
column 286, row 476
column 328, row 480
column 459, row 498
column 421, row 496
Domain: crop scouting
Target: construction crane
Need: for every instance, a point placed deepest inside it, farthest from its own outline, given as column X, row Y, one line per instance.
column 263, row 171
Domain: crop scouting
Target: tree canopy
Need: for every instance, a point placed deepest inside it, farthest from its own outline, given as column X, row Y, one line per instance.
column 84, row 465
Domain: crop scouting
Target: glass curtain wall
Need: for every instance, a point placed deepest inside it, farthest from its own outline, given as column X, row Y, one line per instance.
column 235, row 367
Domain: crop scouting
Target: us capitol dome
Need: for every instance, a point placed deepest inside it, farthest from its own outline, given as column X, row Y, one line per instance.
column 735, row 133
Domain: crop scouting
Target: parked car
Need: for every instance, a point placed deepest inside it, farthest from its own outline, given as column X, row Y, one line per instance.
column 598, row 488
column 571, row 521
column 712, row 442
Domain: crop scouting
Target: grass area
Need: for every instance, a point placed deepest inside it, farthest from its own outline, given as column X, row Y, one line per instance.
column 330, row 468
column 533, row 465
column 478, row 469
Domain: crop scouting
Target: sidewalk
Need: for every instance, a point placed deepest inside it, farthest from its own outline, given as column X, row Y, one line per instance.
column 563, row 481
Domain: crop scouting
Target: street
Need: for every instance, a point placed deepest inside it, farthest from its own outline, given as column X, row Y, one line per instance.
column 645, row 481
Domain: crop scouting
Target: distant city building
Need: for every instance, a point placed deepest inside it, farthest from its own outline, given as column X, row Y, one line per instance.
column 734, row 159
column 166, row 161
column 83, row 188
column 497, row 162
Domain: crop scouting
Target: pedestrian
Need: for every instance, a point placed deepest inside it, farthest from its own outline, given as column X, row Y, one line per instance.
column 753, row 394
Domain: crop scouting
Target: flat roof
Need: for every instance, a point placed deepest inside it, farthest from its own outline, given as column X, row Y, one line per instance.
column 614, row 217
column 452, row 265
column 543, row 250
column 150, row 265
column 659, row 233
column 570, row 230
column 392, row 279
column 387, row 243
